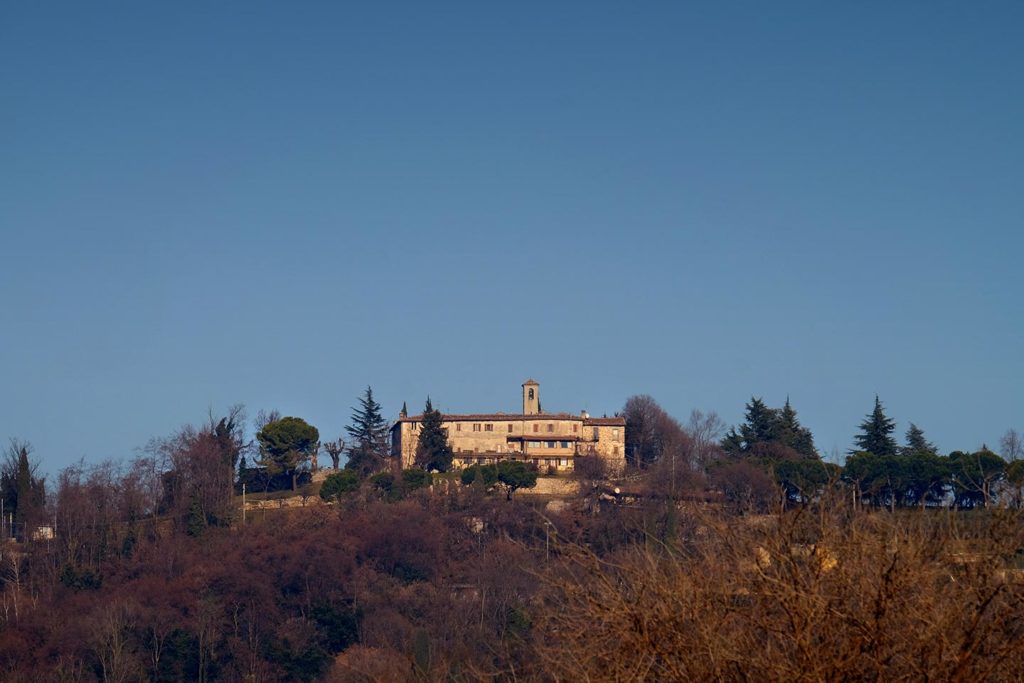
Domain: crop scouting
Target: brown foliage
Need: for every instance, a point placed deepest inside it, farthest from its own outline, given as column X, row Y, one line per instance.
column 797, row 597
column 745, row 487
column 462, row 586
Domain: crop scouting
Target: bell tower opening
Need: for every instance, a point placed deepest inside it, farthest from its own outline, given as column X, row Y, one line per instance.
column 531, row 397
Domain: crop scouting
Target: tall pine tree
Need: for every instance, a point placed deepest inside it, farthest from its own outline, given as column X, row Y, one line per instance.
column 794, row 435
column 876, row 433
column 433, row 451
column 761, row 426
column 917, row 443
column 369, row 431
column 766, row 429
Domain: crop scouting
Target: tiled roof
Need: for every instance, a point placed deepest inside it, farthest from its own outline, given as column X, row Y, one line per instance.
column 531, row 382
column 605, row 422
column 495, row 417
column 516, row 417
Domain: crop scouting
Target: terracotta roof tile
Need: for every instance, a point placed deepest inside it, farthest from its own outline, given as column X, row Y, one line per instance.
column 496, row 417
column 605, row 422
column 517, row 417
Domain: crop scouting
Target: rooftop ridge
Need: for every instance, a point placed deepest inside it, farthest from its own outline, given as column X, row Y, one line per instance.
column 597, row 421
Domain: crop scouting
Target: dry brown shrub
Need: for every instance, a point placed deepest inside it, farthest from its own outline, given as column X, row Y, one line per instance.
column 361, row 664
column 803, row 596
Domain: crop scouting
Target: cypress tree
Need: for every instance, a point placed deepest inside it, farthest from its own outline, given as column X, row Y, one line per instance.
column 23, row 487
column 433, row 451
column 876, row 433
column 23, row 493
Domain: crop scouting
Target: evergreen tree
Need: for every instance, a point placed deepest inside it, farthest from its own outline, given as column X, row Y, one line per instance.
column 23, row 493
column 514, row 475
column 369, row 432
column 196, row 523
column 917, row 443
column 339, row 483
column 227, row 435
column 793, row 435
column 761, row 426
column 287, row 443
column 433, row 451
column 876, row 433
column 24, row 490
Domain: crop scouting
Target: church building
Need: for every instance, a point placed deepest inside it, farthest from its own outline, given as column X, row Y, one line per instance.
column 551, row 441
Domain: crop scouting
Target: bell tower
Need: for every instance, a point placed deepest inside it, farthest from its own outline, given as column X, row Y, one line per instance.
column 531, row 397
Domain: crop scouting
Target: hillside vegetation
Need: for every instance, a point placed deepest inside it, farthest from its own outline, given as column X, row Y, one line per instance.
column 718, row 556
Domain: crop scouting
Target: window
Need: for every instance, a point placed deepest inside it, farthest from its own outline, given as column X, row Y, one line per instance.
column 490, row 428
column 549, row 444
column 531, row 394
column 597, row 434
column 575, row 428
column 458, row 427
column 564, row 462
column 615, row 433
column 414, row 426
column 564, row 444
column 615, row 450
column 476, row 427
column 551, row 427
column 535, row 444
column 509, row 427
column 536, row 427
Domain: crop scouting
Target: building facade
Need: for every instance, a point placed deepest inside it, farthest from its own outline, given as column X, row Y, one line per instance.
column 551, row 441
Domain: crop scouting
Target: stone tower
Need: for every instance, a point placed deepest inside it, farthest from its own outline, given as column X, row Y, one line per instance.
column 531, row 397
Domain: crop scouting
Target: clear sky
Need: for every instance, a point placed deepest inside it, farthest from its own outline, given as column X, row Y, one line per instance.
column 278, row 204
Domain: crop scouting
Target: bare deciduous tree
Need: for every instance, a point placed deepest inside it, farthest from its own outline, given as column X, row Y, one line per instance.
column 643, row 438
column 263, row 418
column 334, row 449
column 805, row 597
column 1011, row 445
column 111, row 630
column 705, row 430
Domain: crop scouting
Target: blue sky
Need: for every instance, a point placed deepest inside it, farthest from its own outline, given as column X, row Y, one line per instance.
column 278, row 204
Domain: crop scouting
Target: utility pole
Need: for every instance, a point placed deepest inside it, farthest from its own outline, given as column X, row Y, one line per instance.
column 243, row 503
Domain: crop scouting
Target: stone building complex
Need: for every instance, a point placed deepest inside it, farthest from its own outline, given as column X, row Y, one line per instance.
column 551, row 441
